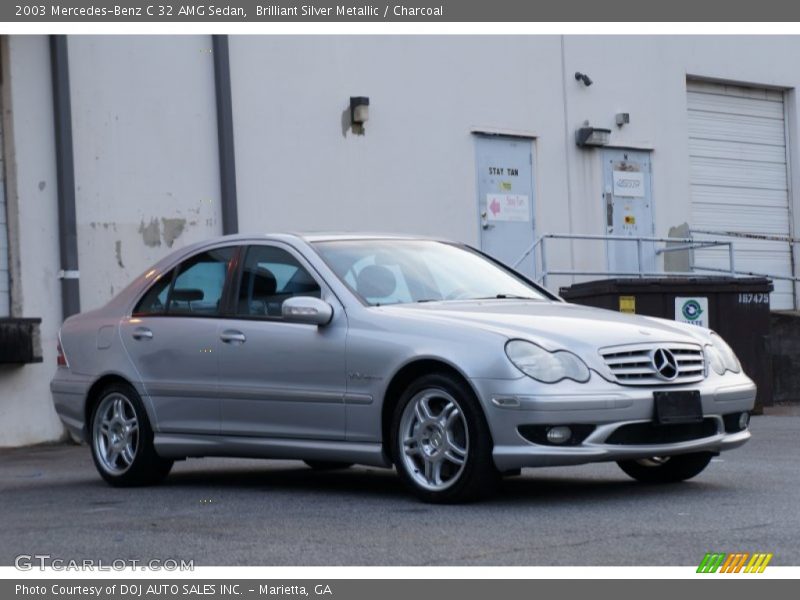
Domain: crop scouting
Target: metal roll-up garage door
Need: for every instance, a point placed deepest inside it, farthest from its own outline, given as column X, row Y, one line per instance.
column 738, row 178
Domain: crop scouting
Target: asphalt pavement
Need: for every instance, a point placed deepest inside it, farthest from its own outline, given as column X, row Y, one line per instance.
column 259, row 512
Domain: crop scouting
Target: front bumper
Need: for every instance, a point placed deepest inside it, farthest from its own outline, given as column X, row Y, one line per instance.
column 509, row 404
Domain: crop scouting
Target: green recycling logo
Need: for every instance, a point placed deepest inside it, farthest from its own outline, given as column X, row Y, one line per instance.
column 692, row 311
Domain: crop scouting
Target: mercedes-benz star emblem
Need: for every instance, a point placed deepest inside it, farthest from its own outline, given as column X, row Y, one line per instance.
column 665, row 364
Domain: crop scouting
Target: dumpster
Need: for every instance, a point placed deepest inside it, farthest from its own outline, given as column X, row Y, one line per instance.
column 736, row 308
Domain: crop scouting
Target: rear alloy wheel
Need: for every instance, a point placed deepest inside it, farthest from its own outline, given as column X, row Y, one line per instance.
column 440, row 442
column 122, row 439
column 666, row 469
column 327, row 465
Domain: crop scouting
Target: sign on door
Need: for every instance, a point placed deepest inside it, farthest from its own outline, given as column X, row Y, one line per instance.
column 508, row 207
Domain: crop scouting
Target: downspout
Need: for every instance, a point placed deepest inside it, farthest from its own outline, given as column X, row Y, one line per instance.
column 65, row 176
column 567, row 154
column 227, row 162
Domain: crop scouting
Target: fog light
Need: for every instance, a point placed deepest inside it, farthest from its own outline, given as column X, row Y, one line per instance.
column 744, row 420
column 559, row 435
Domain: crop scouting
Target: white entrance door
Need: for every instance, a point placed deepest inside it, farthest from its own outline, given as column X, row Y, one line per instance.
column 505, row 198
column 628, row 198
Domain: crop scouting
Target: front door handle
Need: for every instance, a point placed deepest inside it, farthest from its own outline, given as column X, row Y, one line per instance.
column 142, row 333
column 232, row 336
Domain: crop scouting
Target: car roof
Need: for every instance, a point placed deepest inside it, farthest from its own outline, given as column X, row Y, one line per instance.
column 313, row 236
column 329, row 236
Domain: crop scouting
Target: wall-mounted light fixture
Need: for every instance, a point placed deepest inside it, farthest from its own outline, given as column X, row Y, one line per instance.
column 359, row 110
column 583, row 78
column 622, row 119
column 592, row 136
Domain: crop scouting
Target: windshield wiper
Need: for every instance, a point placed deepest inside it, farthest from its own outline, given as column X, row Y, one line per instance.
column 495, row 297
column 506, row 297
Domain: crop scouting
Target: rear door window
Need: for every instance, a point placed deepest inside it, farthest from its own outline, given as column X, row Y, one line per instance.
column 194, row 288
column 154, row 302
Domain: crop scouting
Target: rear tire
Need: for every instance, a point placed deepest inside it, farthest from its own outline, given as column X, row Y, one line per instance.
column 326, row 465
column 122, row 440
column 440, row 441
column 667, row 469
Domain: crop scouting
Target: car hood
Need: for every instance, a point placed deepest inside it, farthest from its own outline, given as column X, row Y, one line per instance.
column 554, row 325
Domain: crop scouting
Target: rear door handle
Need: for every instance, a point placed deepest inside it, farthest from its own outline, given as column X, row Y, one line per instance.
column 232, row 336
column 142, row 333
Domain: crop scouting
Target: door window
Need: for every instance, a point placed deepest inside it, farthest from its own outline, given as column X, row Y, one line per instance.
column 196, row 290
column 155, row 300
column 271, row 275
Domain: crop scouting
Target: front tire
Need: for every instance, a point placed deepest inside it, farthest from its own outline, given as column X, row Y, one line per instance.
column 122, row 439
column 440, row 442
column 666, row 469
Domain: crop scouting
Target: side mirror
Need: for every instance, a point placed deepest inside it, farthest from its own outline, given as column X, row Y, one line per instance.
column 307, row 309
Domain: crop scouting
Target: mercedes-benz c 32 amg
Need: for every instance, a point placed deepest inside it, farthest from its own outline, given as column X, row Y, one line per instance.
column 396, row 351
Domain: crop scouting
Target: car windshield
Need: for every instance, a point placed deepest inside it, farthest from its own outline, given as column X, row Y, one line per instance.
column 403, row 271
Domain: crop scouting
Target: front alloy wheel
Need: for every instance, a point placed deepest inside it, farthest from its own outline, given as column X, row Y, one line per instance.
column 440, row 441
column 435, row 439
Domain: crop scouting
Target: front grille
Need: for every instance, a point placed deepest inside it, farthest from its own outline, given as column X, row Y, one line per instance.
column 649, row 433
column 634, row 364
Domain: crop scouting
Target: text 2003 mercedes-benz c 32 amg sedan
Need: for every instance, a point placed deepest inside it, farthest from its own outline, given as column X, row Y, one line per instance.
column 387, row 350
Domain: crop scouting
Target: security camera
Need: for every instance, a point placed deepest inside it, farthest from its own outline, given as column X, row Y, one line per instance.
column 584, row 78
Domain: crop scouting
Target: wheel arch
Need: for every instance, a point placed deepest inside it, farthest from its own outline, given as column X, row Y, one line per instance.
column 93, row 396
column 403, row 377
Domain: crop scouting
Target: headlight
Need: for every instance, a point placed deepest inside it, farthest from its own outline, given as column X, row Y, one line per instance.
column 727, row 354
column 544, row 366
column 714, row 359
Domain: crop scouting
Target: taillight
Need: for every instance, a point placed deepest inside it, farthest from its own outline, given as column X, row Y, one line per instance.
column 61, row 360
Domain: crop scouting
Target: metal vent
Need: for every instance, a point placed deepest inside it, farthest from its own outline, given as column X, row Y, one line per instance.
column 655, row 364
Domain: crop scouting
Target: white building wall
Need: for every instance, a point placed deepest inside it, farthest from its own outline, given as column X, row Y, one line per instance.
column 5, row 295
column 414, row 169
column 145, row 144
column 26, row 409
column 146, row 165
column 147, row 182
column 646, row 77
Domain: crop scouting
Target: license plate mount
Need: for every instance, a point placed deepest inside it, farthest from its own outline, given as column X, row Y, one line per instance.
column 677, row 407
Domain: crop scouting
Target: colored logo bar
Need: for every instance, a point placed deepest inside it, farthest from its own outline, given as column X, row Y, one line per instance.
column 737, row 562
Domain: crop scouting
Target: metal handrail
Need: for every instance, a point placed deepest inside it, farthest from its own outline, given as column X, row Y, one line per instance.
column 751, row 235
column 683, row 244
column 749, row 273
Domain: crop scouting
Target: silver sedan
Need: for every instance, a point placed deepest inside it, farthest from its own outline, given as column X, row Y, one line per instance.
column 389, row 351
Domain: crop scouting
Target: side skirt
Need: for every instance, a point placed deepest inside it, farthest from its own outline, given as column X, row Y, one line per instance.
column 180, row 445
